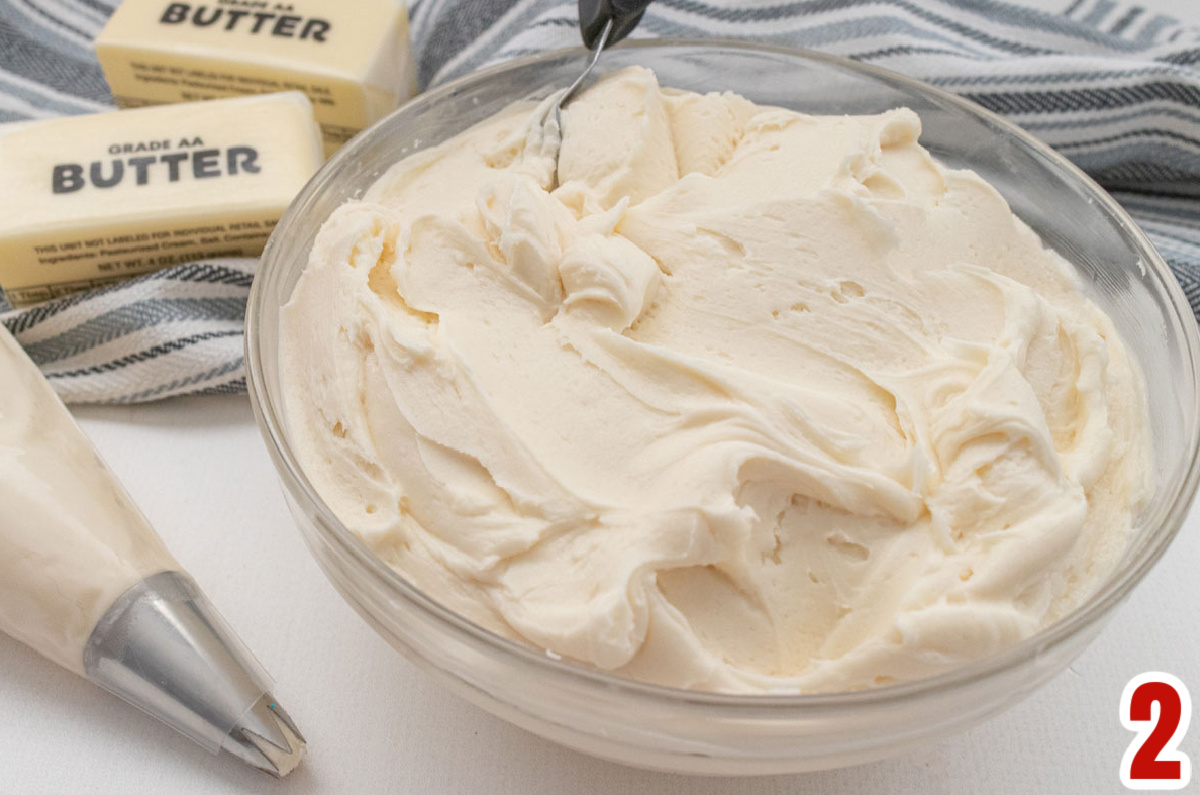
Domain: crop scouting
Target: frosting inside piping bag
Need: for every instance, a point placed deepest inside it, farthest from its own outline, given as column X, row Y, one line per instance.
column 71, row 539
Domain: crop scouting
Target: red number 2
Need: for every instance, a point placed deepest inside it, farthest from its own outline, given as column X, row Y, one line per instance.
column 1153, row 760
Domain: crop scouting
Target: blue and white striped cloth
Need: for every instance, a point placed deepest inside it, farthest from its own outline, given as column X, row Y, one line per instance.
column 1109, row 84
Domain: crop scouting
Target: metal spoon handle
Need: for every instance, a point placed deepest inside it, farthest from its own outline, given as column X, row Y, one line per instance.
column 601, row 43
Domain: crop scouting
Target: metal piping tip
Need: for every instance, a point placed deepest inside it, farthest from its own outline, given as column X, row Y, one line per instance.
column 266, row 738
column 163, row 647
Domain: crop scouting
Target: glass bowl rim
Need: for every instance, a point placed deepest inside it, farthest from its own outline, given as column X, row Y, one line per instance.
column 1112, row 592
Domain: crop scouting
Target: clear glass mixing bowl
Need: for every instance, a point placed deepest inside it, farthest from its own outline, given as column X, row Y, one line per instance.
column 694, row 732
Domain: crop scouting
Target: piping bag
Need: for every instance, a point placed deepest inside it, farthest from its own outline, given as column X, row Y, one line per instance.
column 86, row 581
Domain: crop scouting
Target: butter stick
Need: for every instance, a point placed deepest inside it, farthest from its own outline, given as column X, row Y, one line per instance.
column 351, row 57
column 89, row 200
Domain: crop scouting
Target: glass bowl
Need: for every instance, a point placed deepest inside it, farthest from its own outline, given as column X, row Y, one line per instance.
column 694, row 732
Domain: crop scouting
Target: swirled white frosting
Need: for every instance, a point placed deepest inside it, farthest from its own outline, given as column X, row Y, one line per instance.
column 753, row 401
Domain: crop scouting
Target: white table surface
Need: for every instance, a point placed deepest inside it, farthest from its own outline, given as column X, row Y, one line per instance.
column 375, row 724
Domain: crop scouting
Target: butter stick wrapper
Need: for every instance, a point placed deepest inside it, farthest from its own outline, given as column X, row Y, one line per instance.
column 351, row 57
column 90, row 200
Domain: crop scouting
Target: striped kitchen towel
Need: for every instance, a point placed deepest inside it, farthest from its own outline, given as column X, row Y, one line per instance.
column 1109, row 84
column 173, row 332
